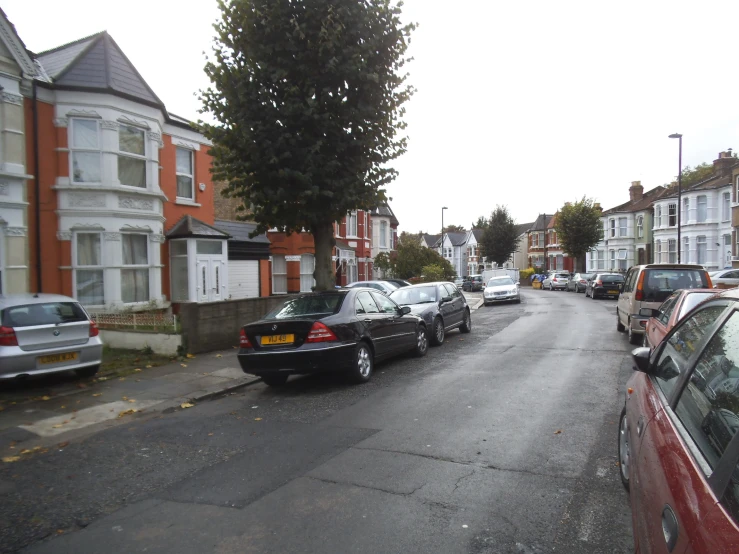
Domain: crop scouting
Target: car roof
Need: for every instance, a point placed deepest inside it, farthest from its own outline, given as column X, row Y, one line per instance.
column 670, row 266
column 431, row 284
column 729, row 293
column 9, row 300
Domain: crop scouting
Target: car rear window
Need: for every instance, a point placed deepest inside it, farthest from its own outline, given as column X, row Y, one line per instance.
column 660, row 283
column 309, row 305
column 562, row 275
column 47, row 313
column 612, row 278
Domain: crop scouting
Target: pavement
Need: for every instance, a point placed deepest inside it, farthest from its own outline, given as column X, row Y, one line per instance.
column 501, row 440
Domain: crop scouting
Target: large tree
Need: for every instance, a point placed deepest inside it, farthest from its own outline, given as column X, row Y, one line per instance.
column 578, row 229
column 500, row 238
column 307, row 97
column 410, row 259
column 481, row 223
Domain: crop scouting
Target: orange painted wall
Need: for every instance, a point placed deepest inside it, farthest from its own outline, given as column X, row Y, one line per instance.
column 265, row 278
column 54, row 253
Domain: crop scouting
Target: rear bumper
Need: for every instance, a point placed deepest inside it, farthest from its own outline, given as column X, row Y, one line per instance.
column 305, row 359
column 638, row 324
column 15, row 362
column 603, row 291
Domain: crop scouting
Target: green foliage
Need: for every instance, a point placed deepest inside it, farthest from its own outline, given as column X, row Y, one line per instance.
column 307, row 97
column 694, row 175
column 500, row 238
column 454, row 229
column 481, row 223
column 384, row 264
column 578, row 228
column 411, row 258
column 525, row 274
column 433, row 272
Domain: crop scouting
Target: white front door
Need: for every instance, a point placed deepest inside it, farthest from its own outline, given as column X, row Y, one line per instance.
column 210, row 279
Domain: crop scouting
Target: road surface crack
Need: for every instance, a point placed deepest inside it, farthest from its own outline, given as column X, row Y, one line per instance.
column 456, row 485
column 379, row 489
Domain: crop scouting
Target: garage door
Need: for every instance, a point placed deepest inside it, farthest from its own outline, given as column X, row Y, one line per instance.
column 243, row 279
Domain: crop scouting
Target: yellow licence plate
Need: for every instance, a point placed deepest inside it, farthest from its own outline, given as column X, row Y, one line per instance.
column 612, row 292
column 57, row 358
column 277, row 339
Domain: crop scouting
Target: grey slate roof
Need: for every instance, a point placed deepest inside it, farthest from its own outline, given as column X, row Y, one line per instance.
column 457, row 239
column 430, row 240
column 521, row 228
column 239, row 230
column 96, row 63
column 385, row 211
column 189, row 227
column 541, row 222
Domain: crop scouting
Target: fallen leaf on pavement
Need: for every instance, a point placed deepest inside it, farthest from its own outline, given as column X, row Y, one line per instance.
column 186, row 405
column 2, row 409
column 558, row 432
column 138, row 369
column 124, row 397
column 98, row 394
column 57, row 426
column 257, row 419
column 45, row 398
column 191, row 356
column 210, row 434
column 183, row 365
column 26, row 451
column 11, row 459
column 102, row 378
column 122, row 379
column 126, row 412
column 149, row 366
column 131, row 400
column 81, row 386
column 62, row 407
column 60, row 531
column 219, row 355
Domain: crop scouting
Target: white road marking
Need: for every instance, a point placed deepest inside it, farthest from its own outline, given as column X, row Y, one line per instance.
column 85, row 417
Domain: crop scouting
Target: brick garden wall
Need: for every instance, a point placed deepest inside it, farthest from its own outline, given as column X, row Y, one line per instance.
column 215, row 325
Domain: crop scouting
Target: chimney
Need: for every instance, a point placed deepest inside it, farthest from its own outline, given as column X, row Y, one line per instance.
column 597, row 207
column 636, row 191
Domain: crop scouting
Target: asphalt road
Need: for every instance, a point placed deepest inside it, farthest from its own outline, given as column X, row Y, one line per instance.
column 502, row 440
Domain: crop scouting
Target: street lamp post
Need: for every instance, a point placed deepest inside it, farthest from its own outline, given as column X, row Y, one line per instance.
column 442, row 230
column 679, row 189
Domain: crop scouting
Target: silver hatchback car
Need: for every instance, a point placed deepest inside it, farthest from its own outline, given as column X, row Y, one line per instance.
column 47, row 333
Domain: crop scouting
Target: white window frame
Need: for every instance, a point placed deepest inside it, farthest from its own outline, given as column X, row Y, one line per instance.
column 672, row 215
column 671, row 251
column 74, row 149
column 658, row 251
column 698, row 218
column 351, row 271
column 306, row 273
column 76, row 266
column 275, row 274
column 725, row 206
column 191, row 198
column 383, row 234
column 612, row 226
column 601, row 259
column 657, row 217
column 686, row 210
column 623, row 226
column 640, row 226
column 701, row 240
column 612, row 254
column 184, row 256
column 366, row 225
column 125, row 266
column 124, row 154
column 534, row 240
column 622, row 259
column 351, row 225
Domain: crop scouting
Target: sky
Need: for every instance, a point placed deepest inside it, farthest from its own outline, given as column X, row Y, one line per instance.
column 522, row 104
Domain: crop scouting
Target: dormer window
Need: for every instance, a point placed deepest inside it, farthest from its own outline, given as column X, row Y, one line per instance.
column 85, row 151
column 132, row 156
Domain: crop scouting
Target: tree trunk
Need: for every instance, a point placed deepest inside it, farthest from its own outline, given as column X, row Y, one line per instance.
column 323, row 236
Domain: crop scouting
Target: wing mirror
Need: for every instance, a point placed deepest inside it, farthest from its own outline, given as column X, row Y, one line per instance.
column 641, row 359
column 405, row 310
column 649, row 312
column 446, row 299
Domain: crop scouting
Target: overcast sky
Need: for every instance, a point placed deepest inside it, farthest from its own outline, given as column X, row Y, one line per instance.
column 524, row 104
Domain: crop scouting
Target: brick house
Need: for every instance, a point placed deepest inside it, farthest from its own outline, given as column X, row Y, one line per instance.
column 537, row 242
column 556, row 258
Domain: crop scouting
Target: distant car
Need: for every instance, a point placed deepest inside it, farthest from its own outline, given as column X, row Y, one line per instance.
column 501, row 289
column 400, row 283
column 672, row 310
column 47, row 333
column 441, row 306
column 726, row 278
column 458, row 282
column 385, row 287
column 474, row 283
column 342, row 330
column 604, row 285
column 579, row 282
column 556, row 281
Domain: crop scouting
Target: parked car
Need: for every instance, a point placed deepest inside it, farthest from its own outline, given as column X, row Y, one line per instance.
column 441, row 306
column 556, row 280
column 670, row 312
column 604, row 285
column 344, row 330
column 474, row 283
column 726, row 278
column 399, row 282
column 647, row 286
column 47, row 333
column 458, row 282
column 677, row 439
column 385, row 287
column 501, row 289
column 579, row 283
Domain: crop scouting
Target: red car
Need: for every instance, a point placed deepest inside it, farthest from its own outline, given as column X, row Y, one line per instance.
column 670, row 312
column 678, row 439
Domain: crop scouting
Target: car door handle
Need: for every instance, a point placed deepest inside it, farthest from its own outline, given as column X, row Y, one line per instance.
column 669, row 527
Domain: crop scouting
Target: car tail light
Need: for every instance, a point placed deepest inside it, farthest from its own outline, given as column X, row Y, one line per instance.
column 7, row 337
column 94, row 331
column 554, row 279
column 583, row 281
column 320, row 333
column 599, row 283
column 243, row 339
column 639, row 295
column 710, row 283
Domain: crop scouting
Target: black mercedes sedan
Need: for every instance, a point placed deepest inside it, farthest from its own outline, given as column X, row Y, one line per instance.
column 344, row 330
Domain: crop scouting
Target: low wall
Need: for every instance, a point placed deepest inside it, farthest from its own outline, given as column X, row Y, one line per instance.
column 161, row 343
column 215, row 325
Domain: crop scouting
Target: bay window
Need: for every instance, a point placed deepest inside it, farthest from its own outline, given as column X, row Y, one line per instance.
column 686, row 210
column 383, row 234
column 185, row 174
column 613, row 259
column 84, row 149
column 701, row 250
column 178, row 271
column 672, row 251
column 88, row 269
column 621, row 226
column 657, row 217
column 640, row 226
column 622, row 259
column 601, row 259
column 658, row 251
column 686, row 250
column 702, row 209
column 726, row 206
column 132, row 156
column 351, row 224
column 307, row 266
column 135, row 271
column 613, row 228
column 672, row 215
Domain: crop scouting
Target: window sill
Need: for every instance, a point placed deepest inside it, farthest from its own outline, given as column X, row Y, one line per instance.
column 186, row 202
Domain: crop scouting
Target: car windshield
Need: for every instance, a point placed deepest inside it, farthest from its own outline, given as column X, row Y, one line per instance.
column 415, row 295
column 612, row 278
column 660, row 283
column 692, row 300
column 309, row 305
column 500, row 281
column 47, row 313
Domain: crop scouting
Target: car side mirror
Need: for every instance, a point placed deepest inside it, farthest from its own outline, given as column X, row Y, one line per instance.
column 649, row 312
column 446, row 299
column 641, row 359
column 405, row 310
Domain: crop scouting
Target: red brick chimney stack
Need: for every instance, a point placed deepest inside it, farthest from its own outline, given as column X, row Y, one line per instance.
column 636, row 191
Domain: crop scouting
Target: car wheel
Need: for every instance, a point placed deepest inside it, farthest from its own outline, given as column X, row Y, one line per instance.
column 633, row 337
column 518, row 300
column 438, row 337
column 619, row 326
column 624, row 449
column 422, row 342
column 276, row 380
column 87, row 372
column 363, row 363
column 551, row 288
column 466, row 323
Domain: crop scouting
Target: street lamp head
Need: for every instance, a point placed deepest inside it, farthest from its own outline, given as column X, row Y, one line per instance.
column 675, row 135
column 444, row 208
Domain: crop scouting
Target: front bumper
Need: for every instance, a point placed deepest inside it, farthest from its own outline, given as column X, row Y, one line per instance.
column 501, row 297
column 15, row 362
column 309, row 358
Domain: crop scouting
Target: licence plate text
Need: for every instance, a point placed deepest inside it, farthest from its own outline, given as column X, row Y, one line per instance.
column 612, row 292
column 57, row 358
column 278, row 339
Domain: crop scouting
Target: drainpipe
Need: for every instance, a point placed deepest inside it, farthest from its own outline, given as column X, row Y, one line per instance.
column 37, row 188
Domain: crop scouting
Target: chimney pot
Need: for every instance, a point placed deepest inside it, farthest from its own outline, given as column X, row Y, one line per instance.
column 636, row 191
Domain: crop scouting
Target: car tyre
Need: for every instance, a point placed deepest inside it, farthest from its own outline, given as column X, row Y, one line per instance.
column 551, row 288
column 619, row 326
column 466, row 323
column 276, row 380
column 422, row 342
column 364, row 363
column 86, row 372
column 437, row 338
column 624, row 449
